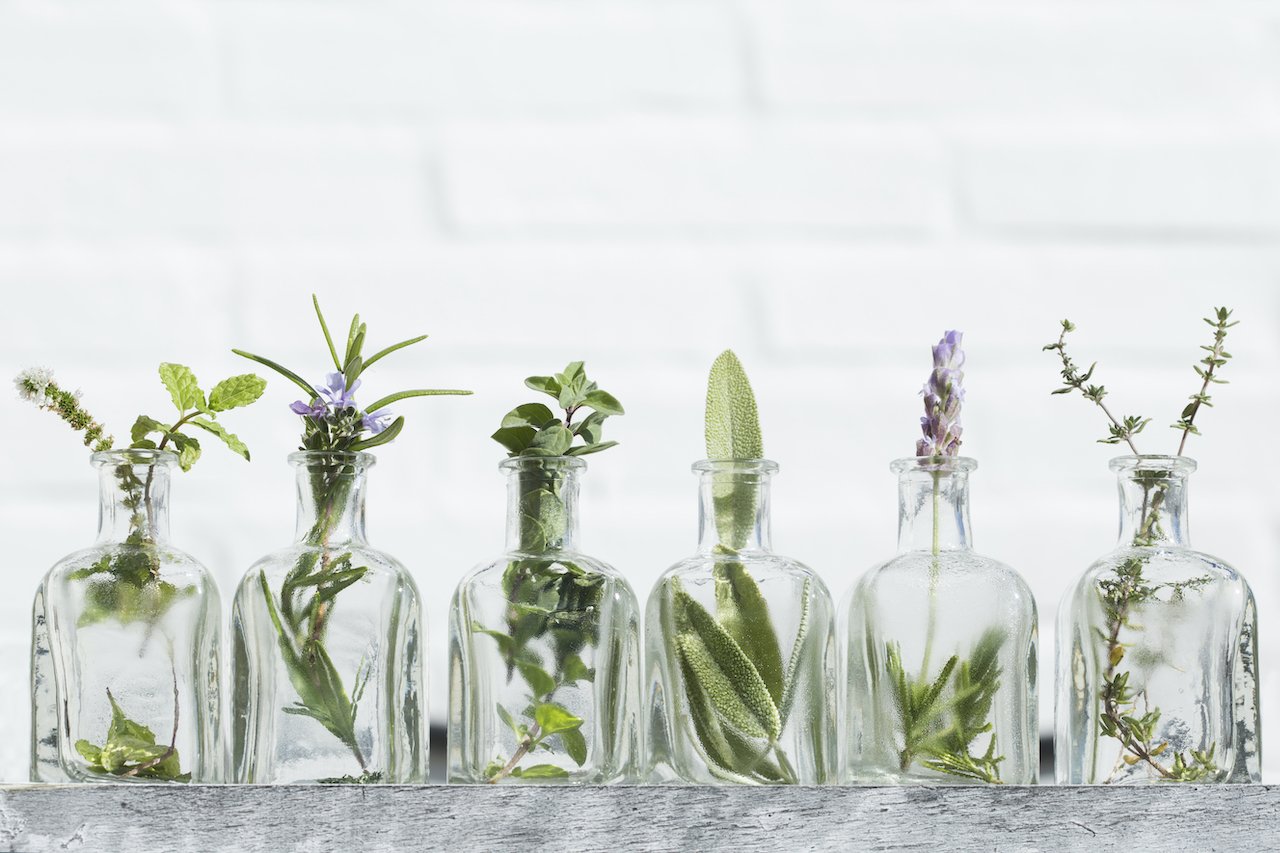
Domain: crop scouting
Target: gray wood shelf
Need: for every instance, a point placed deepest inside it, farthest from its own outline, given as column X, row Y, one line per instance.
column 212, row 818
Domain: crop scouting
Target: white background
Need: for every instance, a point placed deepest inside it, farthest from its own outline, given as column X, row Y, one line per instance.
column 825, row 187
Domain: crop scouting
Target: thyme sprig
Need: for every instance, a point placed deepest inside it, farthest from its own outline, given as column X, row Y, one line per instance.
column 1125, row 714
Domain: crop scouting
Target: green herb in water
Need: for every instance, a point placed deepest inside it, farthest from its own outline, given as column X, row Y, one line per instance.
column 1126, row 713
column 333, row 422
column 552, row 601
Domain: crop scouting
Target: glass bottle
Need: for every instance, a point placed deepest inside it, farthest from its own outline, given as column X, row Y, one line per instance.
column 327, row 669
column 125, row 646
column 940, row 649
column 740, row 649
column 1157, row 650
column 544, row 648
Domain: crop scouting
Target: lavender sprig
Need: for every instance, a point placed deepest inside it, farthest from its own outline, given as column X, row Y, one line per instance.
column 36, row 385
column 943, row 396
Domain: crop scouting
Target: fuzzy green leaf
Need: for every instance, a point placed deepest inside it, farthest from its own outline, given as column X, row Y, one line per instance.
column 515, row 438
column 182, row 386
column 533, row 415
column 732, row 421
column 236, row 391
column 744, row 614
column 721, row 668
column 603, row 402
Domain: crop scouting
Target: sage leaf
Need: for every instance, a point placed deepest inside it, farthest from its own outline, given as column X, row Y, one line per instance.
column 744, row 614
column 720, row 667
column 732, row 420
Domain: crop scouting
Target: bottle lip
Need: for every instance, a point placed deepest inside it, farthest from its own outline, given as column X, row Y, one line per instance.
column 735, row 466
column 331, row 459
column 133, row 456
column 934, row 464
column 542, row 463
column 1154, row 462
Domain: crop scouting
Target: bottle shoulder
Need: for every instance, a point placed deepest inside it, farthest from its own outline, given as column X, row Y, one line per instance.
column 492, row 572
column 163, row 562
column 764, row 568
column 279, row 564
column 972, row 566
column 1168, row 567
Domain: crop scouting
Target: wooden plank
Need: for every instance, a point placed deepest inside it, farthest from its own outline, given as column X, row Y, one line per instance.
column 211, row 819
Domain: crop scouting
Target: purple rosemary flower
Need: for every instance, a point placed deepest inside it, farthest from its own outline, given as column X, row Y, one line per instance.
column 943, row 396
column 336, row 392
column 377, row 423
column 315, row 409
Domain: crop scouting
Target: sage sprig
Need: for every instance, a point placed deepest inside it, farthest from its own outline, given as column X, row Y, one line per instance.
column 1126, row 713
column 552, row 600
column 333, row 422
column 737, row 688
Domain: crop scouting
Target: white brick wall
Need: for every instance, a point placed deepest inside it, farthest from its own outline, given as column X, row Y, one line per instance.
column 824, row 186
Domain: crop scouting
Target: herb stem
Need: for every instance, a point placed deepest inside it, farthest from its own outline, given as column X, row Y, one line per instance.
column 934, row 570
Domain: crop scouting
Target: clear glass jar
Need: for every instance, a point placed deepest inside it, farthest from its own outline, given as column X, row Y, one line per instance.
column 544, row 648
column 1157, row 650
column 125, row 645
column 327, row 668
column 740, row 649
column 940, row 650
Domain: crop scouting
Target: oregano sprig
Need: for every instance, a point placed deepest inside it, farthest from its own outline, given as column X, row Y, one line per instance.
column 552, row 599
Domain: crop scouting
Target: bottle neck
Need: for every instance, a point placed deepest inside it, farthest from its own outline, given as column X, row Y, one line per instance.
column 133, row 498
column 733, row 506
column 933, row 506
column 1153, row 507
column 331, row 495
column 542, row 503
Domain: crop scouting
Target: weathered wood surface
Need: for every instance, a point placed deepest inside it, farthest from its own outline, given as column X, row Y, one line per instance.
column 211, row 819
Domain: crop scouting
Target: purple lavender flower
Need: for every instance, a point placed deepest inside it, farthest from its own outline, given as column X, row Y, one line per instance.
column 314, row 410
column 943, row 396
column 336, row 392
column 377, row 423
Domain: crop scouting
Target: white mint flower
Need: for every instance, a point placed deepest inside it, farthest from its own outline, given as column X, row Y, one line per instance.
column 32, row 383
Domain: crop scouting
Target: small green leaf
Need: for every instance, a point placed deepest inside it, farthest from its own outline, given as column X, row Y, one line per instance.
column 742, row 611
column 586, row 450
column 533, row 415
column 383, row 353
column 182, row 386
column 144, row 426
column 236, row 391
column 542, row 771
column 233, row 443
column 575, row 744
column 575, row 670
column 387, row 435
column 545, row 384
column 539, row 681
column 324, row 327
column 505, row 715
column 554, row 440
column 603, row 402
column 188, row 450
column 553, row 718
column 515, row 438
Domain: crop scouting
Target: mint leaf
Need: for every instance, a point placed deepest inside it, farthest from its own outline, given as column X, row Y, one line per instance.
column 553, row 719
column 182, row 385
column 188, row 450
column 144, row 426
column 233, row 443
column 236, row 391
